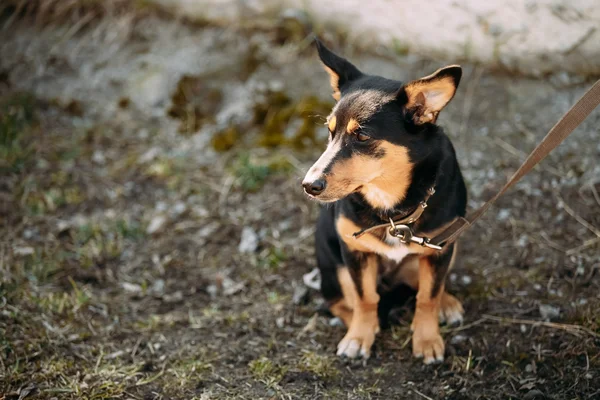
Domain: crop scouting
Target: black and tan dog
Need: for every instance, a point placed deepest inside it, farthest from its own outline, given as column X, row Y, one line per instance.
column 385, row 157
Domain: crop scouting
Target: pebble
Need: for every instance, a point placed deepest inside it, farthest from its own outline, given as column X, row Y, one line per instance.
column 456, row 339
column 503, row 214
column 179, row 208
column 466, row 280
column 300, row 295
column 23, row 251
column 549, row 312
column 158, row 287
column 98, row 157
column 156, row 224
column 249, row 240
column 534, row 395
column 131, row 287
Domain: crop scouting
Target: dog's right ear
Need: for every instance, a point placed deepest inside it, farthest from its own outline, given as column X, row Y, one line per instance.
column 340, row 70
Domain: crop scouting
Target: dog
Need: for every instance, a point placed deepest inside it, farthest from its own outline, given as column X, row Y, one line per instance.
column 386, row 159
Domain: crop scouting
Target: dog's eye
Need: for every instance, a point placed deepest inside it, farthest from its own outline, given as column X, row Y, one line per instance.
column 362, row 137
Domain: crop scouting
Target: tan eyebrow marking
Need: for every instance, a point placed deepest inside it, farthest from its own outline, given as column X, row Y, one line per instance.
column 331, row 123
column 352, row 125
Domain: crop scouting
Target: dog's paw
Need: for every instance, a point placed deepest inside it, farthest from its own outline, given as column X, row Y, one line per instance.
column 428, row 345
column 359, row 339
column 356, row 346
column 451, row 310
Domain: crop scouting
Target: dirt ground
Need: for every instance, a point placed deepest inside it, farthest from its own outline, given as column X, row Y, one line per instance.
column 154, row 235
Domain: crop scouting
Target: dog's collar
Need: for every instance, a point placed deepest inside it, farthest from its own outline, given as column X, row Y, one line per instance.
column 399, row 227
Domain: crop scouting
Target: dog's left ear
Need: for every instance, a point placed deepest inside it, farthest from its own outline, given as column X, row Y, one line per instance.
column 426, row 97
column 340, row 70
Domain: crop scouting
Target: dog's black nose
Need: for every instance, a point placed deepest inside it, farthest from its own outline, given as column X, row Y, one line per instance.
column 314, row 188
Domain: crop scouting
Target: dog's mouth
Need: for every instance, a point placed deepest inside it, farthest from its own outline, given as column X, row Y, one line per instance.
column 325, row 198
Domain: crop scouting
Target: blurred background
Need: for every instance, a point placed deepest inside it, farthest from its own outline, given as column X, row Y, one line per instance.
column 154, row 235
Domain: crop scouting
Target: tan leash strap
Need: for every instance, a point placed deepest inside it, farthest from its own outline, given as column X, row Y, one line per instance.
column 563, row 128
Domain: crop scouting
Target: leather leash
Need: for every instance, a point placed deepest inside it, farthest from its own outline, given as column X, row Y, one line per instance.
column 563, row 128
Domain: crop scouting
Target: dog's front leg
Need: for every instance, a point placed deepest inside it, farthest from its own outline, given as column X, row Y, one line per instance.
column 359, row 284
column 427, row 341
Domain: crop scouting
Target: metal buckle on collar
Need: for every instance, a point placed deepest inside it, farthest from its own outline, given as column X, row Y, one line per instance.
column 405, row 234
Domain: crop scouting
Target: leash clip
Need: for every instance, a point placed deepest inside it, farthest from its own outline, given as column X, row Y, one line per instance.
column 405, row 234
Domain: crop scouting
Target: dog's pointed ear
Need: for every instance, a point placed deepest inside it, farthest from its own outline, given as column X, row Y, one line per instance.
column 426, row 97
column 340, row 70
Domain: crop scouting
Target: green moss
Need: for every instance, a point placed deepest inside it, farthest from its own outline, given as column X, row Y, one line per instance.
column 279, row 111
column 225, row 139
column 266, row 371
column 318, row 364
column 17, row 116
column 400, row 48
column 252, row 173
column 194, row 103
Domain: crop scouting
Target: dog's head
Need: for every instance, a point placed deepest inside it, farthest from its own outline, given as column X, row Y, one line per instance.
column 378, row 130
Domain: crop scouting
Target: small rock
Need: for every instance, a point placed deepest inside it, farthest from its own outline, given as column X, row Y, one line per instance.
column 62, row 226
column 313, row 279
column 249, row 241
column 534, row 394
column 23, row 251
column 114, row 355
column 174, row 297
column 230, row 287
column 300, row 295
column 537, row 286
column 207, row 230
column 466, row 280
column 212, row 290
column 528, row 368
column 503, row 214
column 29, row 233
column 179, row 208
column 200, row 212
column 149, row 155
column 456, row 339
column 158, row 287
column 131, row 287
column 98, row 157
column 280, row 322
column 161, row 206
column 156, row 224
column 549, row 312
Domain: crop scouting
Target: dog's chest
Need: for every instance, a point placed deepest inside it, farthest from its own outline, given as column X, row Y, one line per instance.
column 397, row 250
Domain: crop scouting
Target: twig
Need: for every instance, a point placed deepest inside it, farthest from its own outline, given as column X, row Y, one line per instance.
column 570, row 328
column 595, row 193
column 585, row 245
column 521, row 155
column 551, row 243
column 579, row 219
column 467, row 326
